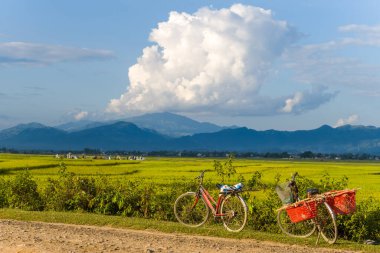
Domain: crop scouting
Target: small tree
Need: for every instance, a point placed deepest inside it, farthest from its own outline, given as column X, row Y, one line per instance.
column 225, row 169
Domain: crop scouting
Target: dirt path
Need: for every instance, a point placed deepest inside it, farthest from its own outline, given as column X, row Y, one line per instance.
column 39, row 237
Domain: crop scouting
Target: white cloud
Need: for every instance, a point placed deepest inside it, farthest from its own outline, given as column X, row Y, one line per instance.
column 31, row 53
column 290, row 103
column 80, row 115
column 362, row 35
column 211, row 61
column 320, row 64
column 350, row 120
column 325, row 64
column 307, row 100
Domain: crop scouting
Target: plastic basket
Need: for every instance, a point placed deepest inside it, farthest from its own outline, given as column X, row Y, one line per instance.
column 302, row 210
column 284, row 192
column 342, row 202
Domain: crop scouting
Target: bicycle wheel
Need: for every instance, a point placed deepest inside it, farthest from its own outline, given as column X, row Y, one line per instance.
column 326, row 223
column 301, row 229
column 191, row 210
column 235, row 213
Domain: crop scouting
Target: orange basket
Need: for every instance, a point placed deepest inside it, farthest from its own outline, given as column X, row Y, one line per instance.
column 342, row 202
column 302, row 210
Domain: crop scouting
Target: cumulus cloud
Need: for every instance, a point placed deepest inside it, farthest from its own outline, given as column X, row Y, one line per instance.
column 80, row 115
column 31, row 53
column 362, row 34
column 350, row 120
column 211, row 61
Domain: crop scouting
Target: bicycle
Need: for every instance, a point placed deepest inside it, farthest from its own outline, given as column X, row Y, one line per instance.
column 301, row 218
column 193, row 208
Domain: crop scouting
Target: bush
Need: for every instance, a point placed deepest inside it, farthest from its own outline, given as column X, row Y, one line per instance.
column 69, row 192
column 4, row 193
column 363, row 224
column 24, row 194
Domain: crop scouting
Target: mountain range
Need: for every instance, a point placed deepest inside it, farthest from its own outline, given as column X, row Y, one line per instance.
column 165, row 123
column 148, row 133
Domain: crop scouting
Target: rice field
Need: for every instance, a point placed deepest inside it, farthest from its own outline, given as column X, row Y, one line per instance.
column 163, row 170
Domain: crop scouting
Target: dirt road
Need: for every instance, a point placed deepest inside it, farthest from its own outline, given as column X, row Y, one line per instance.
column 39, row 237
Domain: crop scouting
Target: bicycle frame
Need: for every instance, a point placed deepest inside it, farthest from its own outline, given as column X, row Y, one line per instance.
column 229, row 207
column 210, row 202
column 213, row 205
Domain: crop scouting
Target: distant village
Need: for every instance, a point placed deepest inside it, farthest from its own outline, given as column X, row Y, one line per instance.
column 141, row 156
column 70, row 155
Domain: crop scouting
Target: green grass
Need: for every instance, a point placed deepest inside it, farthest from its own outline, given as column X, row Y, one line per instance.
column 362, row 174
column 209, row 229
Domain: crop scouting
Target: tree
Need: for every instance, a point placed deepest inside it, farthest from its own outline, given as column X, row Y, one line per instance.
column 226, row 169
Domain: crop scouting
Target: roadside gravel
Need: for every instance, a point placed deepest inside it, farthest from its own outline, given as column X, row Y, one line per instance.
column 40, row 237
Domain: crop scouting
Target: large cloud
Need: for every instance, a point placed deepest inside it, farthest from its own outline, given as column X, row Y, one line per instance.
column 31, row 53
column 210, row 61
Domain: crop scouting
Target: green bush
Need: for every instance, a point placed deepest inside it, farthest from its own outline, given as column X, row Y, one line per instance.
column 23, row 193
column 363, row 224
column 4, row 193
column 69, row 192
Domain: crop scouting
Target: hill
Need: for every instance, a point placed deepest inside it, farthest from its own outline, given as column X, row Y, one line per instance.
column 126, row 136
column 165, row 123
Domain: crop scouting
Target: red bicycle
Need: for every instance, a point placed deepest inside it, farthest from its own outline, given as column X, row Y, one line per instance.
column 193, row 208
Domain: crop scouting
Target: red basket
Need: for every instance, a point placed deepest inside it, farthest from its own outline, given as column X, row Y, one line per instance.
column 342, row 202
column 302, row 210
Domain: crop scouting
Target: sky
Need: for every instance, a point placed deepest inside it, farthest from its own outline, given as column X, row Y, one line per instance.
column 273, row 64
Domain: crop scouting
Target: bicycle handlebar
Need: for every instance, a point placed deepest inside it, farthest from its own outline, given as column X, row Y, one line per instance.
column 294, row 176
column 293, row 186
column 200, row 177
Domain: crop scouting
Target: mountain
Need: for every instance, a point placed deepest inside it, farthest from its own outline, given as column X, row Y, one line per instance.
column 165, row 123
column 13, row 131
column 173, row 124
column 32, row 136
column 126, row 136
column 80, row 125
column 355, row 139
column 118, row 136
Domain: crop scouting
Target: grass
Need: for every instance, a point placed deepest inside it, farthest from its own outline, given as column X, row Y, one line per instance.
column 362, row 174
column 210, row 229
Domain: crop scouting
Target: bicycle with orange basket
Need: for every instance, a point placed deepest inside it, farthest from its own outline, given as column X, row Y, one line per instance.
column 301, row 218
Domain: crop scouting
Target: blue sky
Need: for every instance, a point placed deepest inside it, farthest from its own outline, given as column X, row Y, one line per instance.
column 261, row 64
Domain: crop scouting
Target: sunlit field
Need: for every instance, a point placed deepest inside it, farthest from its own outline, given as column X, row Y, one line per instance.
column 162, row 170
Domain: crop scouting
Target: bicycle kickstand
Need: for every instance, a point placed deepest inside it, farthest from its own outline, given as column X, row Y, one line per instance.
column 319, row 236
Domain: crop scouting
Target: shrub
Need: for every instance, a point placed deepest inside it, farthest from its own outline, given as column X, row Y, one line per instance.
column 69, row 192
column 23, row 193
column 4, row 193
column 363, row 224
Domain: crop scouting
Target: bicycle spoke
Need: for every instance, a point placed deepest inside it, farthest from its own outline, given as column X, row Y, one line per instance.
column 234, row 212
column 190, row 210
column 300, row 229
column 327, row 223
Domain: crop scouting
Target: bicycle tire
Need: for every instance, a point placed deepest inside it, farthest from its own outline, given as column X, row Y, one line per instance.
column 300, row 229
column 189, row 214
column 326, row 222
column 235, row 213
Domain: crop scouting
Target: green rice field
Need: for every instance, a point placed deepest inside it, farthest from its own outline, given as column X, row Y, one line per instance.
column 364, row 175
